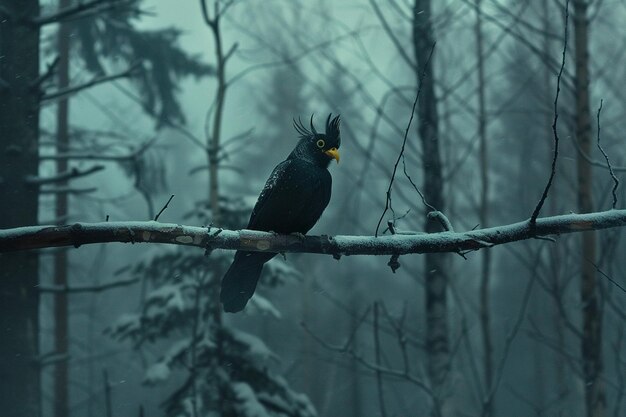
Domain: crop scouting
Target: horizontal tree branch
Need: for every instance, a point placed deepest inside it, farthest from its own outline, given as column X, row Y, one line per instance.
column 66, row 92
column 101, row 156
column 63, row 176
column 87, row 288
column 68, row 190
column 74, row 11
column 52, row 358
column 594, row 162
column 77, row 234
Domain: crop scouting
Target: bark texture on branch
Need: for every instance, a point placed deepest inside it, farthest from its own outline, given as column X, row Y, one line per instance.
column 77, row 234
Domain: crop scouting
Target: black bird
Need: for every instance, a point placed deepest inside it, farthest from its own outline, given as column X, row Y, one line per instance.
column 292, row 201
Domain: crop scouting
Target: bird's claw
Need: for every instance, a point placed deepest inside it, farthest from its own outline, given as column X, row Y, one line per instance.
column 298, row 235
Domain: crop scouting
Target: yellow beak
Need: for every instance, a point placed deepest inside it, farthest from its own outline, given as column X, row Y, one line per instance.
column 333, row 153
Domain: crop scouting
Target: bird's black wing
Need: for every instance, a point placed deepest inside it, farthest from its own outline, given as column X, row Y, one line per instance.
column 293, row 198
column 268, row 189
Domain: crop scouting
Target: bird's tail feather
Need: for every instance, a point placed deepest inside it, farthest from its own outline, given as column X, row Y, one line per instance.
column 241, row 279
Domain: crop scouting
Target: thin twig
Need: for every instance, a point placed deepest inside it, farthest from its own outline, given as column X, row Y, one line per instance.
column 205, row 14
column 68, row 190
column 65, row 92
column 399, row 47
column 156, row 218
column 76, row 10
column 63, row 176
column 611, row 280
column 87, row 288
column 398, row 326
column 50, row 70
column 379, row 380
column 102, row 157
column 107, row 394
column 524, row 41
column 533, row 218
column 395, row 373
column 406, row 133
column 509, row 340
column 51, row 358
column 419, row 192
column 230, row 52
column 608, row 163
column 592, row 161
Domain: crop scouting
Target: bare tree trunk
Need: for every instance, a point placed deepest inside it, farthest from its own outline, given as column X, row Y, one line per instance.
column 356, row 397
column 61, row 331
column 555, row 251
column 108, row 404
column 214, row 144
column 306, row 344
column 214, row 196
column 19, row 130
column 435, row 268
column 484, row 213
column 595, row 398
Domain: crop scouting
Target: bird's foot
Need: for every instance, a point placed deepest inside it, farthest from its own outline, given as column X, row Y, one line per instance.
column 298, row 235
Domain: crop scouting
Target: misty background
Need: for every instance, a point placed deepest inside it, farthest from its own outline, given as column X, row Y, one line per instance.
column 326, row 337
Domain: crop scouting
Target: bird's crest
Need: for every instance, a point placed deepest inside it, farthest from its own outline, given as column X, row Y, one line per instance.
column 332, row 127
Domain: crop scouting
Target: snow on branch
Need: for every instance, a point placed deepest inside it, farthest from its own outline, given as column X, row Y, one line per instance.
column 209, row 238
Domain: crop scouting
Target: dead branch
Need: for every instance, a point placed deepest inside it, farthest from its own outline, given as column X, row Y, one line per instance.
column 390, row 33
column 592, row 161
column 68, row 190
column 400, row 374
column 401, row 154
column 554, row 121
column 379, row 380
column 156, row 218
column 74, row 11
column 51, row 358
column 77, row 234
column 102, row 157
column 65, row 92
column 524, row 41
column 63, row 176
column 49, row 73
column 608, row 162
column 87, row 288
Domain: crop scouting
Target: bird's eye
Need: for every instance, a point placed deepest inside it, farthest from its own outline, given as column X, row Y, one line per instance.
column 321, row 143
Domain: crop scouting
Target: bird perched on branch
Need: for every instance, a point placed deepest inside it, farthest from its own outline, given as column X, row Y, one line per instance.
column 292, row 201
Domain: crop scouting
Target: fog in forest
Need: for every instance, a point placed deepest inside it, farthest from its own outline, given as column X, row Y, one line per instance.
column 469, row 261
